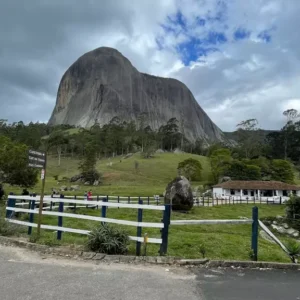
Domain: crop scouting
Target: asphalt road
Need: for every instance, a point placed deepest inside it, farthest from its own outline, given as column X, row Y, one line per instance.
column 239, row 284
column 25, row 275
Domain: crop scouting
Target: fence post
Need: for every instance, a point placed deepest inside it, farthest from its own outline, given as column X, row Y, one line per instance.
column 10, row 203
column 139, row 229
column 75, row 197
column 280, row 200
column 103, row 210
column 148, row 200
column 254, row 240
column 31, row 215
column 60, row 219
column 118, row 201
column 165, row 230
column 128, row 199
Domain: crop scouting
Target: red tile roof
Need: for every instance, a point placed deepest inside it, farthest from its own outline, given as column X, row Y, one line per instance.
column 257, row 185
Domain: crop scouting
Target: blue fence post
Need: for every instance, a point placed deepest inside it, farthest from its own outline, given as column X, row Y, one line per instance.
column 165, row 231
column 139, row 229
column 31, row 215
column 103, row 210
column 97, row 201
column 254, row 240
column 75, row 197
column 60, row 219
column 10, row 203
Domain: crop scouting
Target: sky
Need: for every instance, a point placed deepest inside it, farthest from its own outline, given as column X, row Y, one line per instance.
column 240, row 59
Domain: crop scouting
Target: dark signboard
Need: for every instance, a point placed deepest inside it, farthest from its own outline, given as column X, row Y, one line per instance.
column 36, row 159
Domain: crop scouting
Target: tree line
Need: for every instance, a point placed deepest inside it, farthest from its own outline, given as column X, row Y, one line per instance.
column 254, row 155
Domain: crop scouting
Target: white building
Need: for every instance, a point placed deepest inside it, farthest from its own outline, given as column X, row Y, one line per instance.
column 255, row 190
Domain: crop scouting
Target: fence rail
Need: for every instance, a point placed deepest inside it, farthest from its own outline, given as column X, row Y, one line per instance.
column 101, row 202
column 153, row 201
column 12, row 208
column 210, row 222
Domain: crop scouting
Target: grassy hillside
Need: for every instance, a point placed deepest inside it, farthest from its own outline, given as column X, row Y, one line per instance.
column 121, row 178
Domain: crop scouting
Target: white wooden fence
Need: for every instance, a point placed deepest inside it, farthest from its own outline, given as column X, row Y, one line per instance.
column 13, row 207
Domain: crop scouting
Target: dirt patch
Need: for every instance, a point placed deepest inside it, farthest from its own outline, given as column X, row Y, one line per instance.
column 112, row 176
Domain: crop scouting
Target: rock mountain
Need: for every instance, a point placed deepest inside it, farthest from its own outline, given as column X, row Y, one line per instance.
column 103, row 84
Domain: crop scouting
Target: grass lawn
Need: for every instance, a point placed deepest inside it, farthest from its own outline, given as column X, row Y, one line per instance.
column 221, row 241
column 121, row 179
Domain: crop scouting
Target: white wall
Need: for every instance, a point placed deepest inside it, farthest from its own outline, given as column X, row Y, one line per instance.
column 217, row 192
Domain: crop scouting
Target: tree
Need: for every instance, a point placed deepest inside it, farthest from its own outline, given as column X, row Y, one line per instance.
column 58, row 139
column 249, row 143
column 191, row 169
column 141, row 126
column 170, row 135
column 291, row 115
column 218, row 160
column 238, row 170
column 282, row 170
column 265, row 166
column 87, row 165
column 14, row 168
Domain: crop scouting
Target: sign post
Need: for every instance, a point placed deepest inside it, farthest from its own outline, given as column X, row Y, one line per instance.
column 37, row 159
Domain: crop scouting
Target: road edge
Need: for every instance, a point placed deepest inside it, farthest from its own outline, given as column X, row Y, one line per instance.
column 159, row 260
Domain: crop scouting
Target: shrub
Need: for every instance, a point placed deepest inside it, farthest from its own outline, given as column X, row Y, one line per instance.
column 190, row 168
column 9, row 229
column 148, row 152
column 294, row 250
column 91, row 176
column 293, row 207
column 108, row 239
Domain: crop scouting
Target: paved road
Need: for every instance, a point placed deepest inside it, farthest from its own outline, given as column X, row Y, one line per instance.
column 27, row 276
column 234, row 284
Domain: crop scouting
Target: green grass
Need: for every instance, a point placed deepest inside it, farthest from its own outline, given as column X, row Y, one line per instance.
column 121, row 179
column 152, row 176
column 221, row 241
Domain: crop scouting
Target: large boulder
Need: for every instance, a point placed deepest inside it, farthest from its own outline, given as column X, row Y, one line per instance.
column 179, row 194
column 76, row 178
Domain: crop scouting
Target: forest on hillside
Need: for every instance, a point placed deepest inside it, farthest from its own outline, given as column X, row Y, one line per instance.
column 253, row 155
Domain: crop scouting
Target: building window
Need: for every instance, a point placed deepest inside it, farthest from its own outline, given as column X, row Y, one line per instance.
column 232, row 192
column 252, row 193
column 268, row 193
column 245, row 192
column 284, row 193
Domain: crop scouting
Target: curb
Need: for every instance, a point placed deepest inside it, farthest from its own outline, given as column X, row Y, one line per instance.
column 252, row 265
column 158, row 260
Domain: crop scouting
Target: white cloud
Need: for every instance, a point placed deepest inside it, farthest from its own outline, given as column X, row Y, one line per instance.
column 244, row 79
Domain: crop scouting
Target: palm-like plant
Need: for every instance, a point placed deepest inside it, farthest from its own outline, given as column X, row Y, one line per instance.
column 108, row 239
column 294, row 250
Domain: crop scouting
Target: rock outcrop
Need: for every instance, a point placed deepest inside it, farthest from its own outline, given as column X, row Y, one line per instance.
column 179, row 194
column 103, row 84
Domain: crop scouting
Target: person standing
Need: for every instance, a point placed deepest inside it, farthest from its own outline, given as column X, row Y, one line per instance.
column 89, row 195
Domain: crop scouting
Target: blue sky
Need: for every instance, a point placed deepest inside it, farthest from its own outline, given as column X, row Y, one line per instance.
column 194, row 47
column 240, row 59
